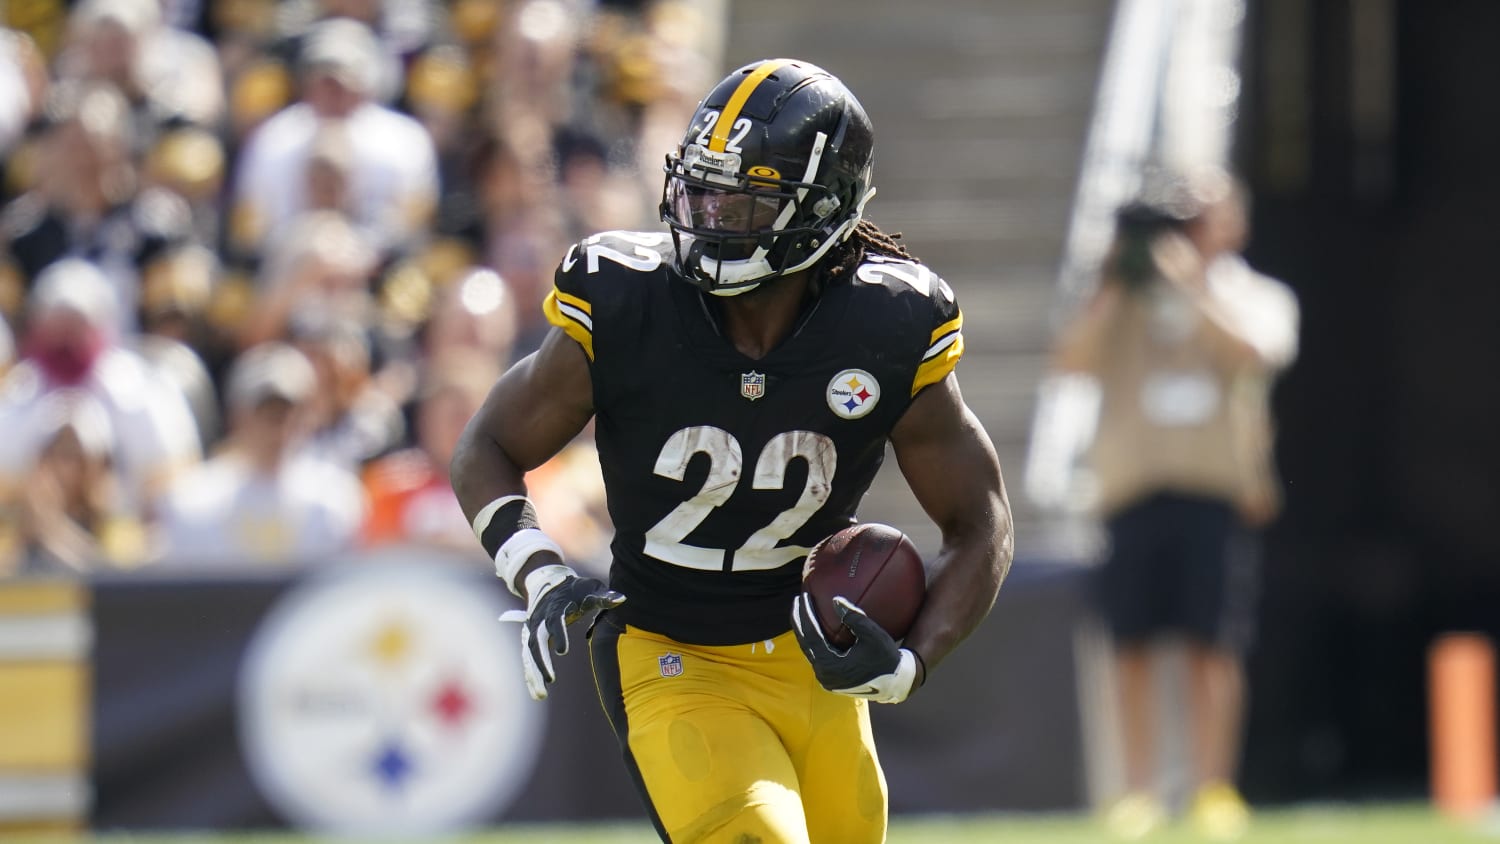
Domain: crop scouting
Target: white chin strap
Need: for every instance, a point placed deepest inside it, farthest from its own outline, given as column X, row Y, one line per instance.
column 733, row 291
column 751, row 268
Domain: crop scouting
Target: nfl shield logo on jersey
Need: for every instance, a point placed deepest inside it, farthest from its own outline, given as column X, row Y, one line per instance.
column 752, row 385
column 671, row 664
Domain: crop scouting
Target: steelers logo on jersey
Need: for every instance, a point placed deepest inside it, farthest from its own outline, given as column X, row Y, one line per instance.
column 853, row 393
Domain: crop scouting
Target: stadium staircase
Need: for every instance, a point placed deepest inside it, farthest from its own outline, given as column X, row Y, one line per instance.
column 981, row 109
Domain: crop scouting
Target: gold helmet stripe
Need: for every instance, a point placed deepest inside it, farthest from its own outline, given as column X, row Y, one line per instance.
column 737, row 100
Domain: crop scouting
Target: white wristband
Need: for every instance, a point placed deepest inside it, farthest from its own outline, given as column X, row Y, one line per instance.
column 517, row 550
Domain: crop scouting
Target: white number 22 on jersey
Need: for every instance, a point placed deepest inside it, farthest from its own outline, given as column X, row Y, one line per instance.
column 644, row 259
column 726, row 463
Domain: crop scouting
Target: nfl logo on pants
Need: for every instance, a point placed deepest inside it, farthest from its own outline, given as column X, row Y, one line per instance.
column 670, row 664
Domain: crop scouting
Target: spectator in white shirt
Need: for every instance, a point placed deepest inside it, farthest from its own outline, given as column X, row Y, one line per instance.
column 262, row 499
column 66, row 515
column 70, row 343
column 393, row 182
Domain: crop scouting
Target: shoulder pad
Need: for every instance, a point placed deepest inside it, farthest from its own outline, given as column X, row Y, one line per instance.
column 601, row 271
column 616, row 252
column 931, row 304
column 902, row 275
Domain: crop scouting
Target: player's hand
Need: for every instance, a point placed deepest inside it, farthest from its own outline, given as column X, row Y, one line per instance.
column 556, row 597
column 874, row 667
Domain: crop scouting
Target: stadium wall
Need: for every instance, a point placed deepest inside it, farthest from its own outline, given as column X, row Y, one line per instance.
column 380, row 694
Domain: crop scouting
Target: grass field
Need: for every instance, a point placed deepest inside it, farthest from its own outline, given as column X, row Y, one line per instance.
column 1320, row 825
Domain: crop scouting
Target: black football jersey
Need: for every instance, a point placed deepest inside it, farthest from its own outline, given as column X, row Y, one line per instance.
column 722, row 471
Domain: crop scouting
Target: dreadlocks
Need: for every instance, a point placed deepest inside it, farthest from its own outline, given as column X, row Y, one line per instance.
column 867, row 237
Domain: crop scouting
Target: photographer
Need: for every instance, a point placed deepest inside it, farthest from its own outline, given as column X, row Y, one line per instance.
column 1183, row 339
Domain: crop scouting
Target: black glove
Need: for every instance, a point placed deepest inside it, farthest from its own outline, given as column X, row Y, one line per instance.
column 874, row 667
column 557, row 597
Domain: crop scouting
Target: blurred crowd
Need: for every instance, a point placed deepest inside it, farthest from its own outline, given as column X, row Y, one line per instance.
column 260, row 261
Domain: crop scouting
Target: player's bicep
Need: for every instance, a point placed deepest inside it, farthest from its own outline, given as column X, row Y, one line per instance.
column 948, row 460
column 540, row 404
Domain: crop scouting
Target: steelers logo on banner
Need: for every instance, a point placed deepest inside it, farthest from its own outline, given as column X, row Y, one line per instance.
column 853, row 393
column 387, row 699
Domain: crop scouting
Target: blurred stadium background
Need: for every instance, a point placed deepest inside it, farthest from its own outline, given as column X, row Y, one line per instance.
column 189, row 647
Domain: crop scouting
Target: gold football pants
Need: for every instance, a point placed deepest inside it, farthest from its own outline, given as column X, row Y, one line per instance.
column 738, row 743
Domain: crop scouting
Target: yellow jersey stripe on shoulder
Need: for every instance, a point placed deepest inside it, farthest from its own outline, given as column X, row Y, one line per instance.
column 580, row 304
column 944, row 330
column 942, row 356
column 737, row 100
column 573, row 316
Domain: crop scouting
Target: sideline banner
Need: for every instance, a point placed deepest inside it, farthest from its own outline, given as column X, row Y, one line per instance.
column 44, row 693
column 383, row 696
column 1000, row 727
column 360, row 697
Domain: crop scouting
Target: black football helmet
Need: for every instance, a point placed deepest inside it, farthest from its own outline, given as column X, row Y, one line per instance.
column 773, row 172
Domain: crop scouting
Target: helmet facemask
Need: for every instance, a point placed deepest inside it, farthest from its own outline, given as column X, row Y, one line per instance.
column 735, row 228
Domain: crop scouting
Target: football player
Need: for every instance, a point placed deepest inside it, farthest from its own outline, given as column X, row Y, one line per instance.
column 745, row 370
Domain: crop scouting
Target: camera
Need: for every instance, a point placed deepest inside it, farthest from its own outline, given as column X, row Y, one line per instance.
column 1137, row 225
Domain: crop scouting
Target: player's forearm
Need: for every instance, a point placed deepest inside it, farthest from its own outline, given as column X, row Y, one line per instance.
column 970, row 569
column 481, row 472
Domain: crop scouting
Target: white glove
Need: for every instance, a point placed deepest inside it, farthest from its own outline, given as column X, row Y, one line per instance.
column 556, row 597
column 873, row 668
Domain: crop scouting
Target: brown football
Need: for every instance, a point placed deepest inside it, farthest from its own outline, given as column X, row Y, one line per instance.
column 874, row 566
